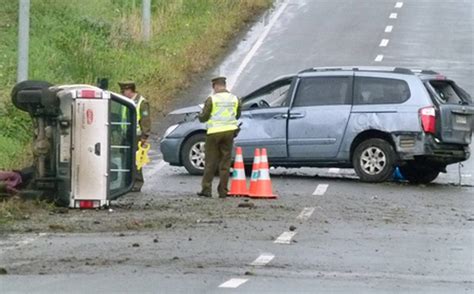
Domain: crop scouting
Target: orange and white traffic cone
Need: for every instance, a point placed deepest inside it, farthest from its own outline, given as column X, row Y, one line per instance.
column 264, row 183
column 238, row 185
column 255, row 172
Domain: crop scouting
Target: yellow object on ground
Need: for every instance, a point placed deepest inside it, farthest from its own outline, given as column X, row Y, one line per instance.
column 142, row 158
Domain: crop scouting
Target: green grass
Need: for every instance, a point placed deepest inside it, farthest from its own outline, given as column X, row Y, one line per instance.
column 78, row 41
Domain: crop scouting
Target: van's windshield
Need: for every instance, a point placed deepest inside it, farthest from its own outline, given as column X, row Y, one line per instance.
column 447, row 92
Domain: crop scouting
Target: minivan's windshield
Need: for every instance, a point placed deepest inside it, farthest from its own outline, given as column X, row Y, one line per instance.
column 447, row 92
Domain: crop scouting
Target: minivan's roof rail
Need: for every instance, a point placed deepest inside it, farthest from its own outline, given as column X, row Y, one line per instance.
column 401, row 70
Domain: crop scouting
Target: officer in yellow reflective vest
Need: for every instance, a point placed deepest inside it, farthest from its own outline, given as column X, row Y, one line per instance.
column 221, row 112
column 128, row 89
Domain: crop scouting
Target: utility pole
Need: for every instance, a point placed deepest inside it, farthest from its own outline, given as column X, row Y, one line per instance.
column 23, row 39
column 146, row 19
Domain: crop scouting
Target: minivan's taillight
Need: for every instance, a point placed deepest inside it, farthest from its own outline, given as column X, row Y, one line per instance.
column 428, row 119
column 88, row 93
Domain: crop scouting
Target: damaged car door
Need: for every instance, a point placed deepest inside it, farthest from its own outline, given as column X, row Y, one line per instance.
column 264, row 119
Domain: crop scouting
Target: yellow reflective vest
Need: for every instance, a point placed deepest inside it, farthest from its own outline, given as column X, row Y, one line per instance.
column 223, row 115
column 138, row 105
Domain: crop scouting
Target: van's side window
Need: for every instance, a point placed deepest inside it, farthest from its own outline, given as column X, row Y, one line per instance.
column 380, row 91
column 314, row 91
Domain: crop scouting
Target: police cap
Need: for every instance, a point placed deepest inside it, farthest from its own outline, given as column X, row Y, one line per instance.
column 127, row 85
column 219, row 80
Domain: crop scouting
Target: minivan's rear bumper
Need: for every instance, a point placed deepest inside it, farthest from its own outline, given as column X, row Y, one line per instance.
column 412, row 146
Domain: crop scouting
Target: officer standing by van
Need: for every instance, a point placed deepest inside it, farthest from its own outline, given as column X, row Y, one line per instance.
column 128, row 89
column 221, row 112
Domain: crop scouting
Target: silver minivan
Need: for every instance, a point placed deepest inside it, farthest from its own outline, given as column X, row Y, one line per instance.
column 372, row 119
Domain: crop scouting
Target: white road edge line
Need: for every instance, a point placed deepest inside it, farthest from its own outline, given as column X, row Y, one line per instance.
column 233, row 283
column 233, row 79
column 388, row 29
column 263, row 259
column 285, row 238
column 306, row 213
column 334, row 170
column 320, row 190
column 379, row 58
column 393, row 16
column 384, row 42
column 399, row 5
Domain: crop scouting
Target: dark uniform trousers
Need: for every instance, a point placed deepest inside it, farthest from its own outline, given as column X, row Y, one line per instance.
column 218, row 156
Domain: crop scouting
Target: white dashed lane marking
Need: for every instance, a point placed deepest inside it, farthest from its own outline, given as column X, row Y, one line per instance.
column 384, row 42
column 379, row 58
column 388, row 29
column 306, row 213
column 233, row 283
column 393, row 16
column 321, row 189
column 263, row 259
column 399, row 5
column 285, row 238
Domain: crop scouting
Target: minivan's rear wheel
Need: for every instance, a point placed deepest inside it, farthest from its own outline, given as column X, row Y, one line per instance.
column 374, row 160
column 193, row 154
column 417, row 174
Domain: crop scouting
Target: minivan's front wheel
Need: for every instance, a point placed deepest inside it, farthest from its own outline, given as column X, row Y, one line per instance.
column 417, row 174
column 374, row 160
column 193, row 154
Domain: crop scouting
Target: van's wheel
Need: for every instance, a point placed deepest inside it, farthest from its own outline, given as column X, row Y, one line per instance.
column 193, row 154
column 374, row 160
column 417, row 174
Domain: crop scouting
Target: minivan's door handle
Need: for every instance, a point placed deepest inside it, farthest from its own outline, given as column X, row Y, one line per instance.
column 296, row 115
column 97, row 149
column 281, row 116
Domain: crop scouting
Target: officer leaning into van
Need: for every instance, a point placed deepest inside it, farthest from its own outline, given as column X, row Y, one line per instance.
column 221, row 112
column 128, row 89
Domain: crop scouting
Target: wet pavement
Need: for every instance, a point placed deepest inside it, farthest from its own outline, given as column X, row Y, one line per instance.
column 327, row 232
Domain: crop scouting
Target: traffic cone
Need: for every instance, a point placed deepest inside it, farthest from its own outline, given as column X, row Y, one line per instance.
column 238, row 185
column 264, row 183
column 255, row 172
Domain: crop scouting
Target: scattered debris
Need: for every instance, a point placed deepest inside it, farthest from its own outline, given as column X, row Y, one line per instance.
column 3, row 271
column 292, row 228
column 135, row 245
column 175, row 258
column 96, row 222
column 121, row 235
column 209, row 221
column 190, row 239
column 200, row 266
column 155, row 240
column 246, row 205
column 249, row 273
column 57, row 227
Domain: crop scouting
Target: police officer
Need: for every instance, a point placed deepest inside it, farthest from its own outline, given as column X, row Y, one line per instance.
column 221, row 112
column 128, row 89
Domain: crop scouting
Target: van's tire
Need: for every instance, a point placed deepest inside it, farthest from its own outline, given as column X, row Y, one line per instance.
column 417, row 174
column 192, row 154
column 374, row 160
column 35, row 100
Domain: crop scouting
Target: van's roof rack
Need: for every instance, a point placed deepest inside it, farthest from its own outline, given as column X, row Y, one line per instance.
column 401, row 70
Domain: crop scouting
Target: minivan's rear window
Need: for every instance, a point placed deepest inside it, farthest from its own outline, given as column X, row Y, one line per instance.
column 446, row 92
column 369, row 90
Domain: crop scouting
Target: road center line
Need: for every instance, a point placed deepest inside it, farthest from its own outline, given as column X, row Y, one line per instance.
column 393, row 15
column 306, row 213
column 384, row 42
column 233, row 283
column 399, row 5
column 388, row 29
column 233, row 79
column 379, row 58
column 263, row 259
column 320, row 189
column 285, row 238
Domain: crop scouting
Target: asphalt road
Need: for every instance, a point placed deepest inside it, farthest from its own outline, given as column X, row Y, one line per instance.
column 347, row 236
